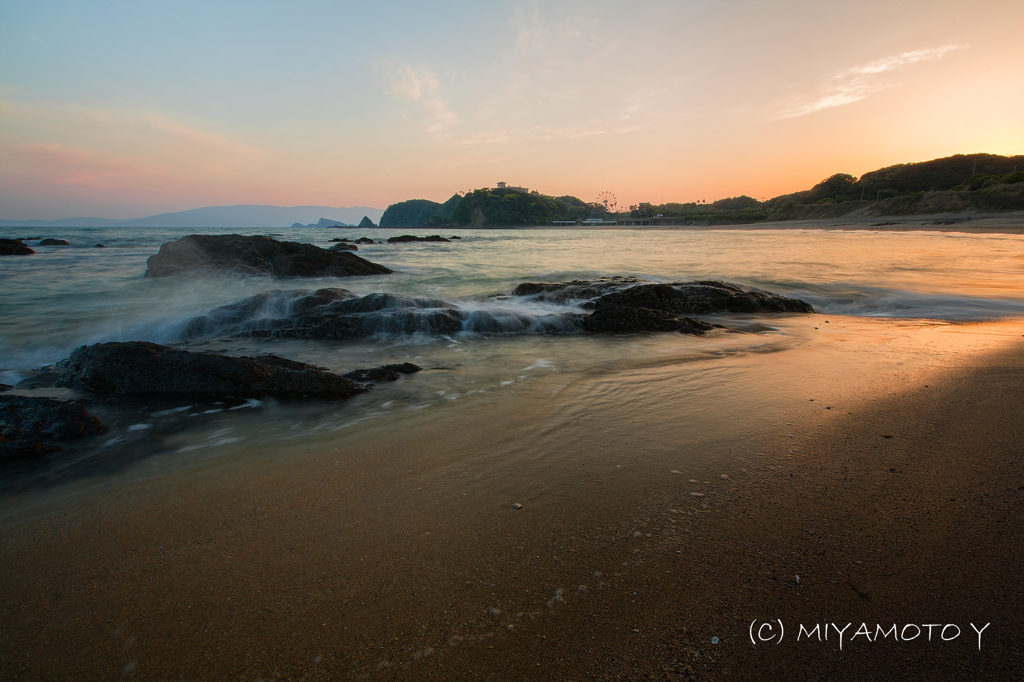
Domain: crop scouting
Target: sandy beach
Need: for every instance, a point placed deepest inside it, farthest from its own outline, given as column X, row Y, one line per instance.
column 967, row 222
column 879, row 462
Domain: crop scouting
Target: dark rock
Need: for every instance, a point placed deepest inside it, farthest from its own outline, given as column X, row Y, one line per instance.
column 53, row 242
column 702, row 298
column 28, row 423
column 383, row 373
column 414, row 238
column 454, row 237
column 256, row 255
column 366, row 222
column 343, row 246
column 364, row 240
column 630, row 320
column 10, row 247
column 327, row 314
column 339, row 239
column 579, row 289
column 139, row 368
column 5, row 387
column 100, row 246
column 662, row 307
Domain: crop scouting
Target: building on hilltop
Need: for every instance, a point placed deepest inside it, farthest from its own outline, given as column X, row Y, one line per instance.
column 521, row 190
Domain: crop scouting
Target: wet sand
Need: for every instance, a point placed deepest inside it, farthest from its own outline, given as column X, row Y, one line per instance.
column 882, row 466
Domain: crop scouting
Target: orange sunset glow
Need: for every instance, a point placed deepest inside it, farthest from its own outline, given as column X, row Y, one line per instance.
column 661, row 102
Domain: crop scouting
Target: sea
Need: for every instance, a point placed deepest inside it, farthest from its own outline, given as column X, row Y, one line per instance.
column 65, row 297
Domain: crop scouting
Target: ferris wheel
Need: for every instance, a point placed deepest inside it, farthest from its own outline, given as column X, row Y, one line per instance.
column 608, row 200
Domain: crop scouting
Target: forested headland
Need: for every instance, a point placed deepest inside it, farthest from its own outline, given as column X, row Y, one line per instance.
column 986, row 182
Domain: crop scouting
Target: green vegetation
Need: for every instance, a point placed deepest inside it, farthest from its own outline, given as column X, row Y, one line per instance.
column 490, row 207
column 443, row 215
column 736, row 203
column 983, row 181
column 411, row 213
column 959, row 172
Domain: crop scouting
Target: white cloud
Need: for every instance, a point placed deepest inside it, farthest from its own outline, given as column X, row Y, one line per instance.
column 859, row 82
column 422, row 88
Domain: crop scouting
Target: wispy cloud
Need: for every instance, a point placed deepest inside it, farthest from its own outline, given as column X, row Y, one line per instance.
column 62, row 165
column 422, row 88
column 859, row 82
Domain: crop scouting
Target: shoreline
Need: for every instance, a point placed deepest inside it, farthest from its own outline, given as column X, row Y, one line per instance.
column 968, row 222
column 406, row 561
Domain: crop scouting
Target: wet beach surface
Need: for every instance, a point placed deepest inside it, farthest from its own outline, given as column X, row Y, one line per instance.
column 663, row 505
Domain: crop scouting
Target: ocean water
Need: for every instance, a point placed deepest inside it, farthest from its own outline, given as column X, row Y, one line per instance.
column 65, row 297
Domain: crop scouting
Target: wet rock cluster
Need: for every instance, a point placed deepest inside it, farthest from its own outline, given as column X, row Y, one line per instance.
column 256, row 255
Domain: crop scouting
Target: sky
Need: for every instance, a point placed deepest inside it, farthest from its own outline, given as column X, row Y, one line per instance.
column 128, row 109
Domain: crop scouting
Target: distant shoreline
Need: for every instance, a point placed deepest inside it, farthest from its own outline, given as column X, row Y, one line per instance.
column 966, row 222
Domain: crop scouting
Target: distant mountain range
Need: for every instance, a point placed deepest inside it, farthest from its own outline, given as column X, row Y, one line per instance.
column 241, row 216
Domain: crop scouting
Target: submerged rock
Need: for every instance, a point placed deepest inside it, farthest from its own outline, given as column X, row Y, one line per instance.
column 256, row 255
column 383, row 373
column 29, row 424
column 53, row 242
column 343, row 246
column 414, row 238
column 12, row 247
column 138, row 368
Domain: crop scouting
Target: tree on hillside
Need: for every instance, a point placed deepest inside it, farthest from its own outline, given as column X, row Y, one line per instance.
column 411, row 213
column 734, row 203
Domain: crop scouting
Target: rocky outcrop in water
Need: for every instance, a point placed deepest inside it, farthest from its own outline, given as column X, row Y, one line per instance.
column 256, row 255
column 12, row 247
column 414, row 238
column 701, row 298
column 618, row 304
column 29, row 425
column 343, row 246
column 384, row 372
column 54, row 242
column 141, row 368
column 693, row 298
column 327, row 314
column 576, row 290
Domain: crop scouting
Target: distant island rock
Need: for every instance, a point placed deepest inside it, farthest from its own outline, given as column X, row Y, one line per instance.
column 256, row 255
column 366, row 222
column 324, row 222
column 13, row 247
column 141, row 368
